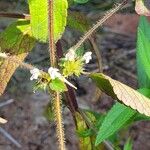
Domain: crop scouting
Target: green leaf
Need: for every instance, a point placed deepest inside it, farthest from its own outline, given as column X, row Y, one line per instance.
column 128, row 145
column 145, row 92
column 119, row 115
column 143, row 53
column 84, row 142
column 58, row 85
column 115, row 119
column 81, row 1
column 39, row 18
column 122, row 92
column 49, row 112
column 16, row 40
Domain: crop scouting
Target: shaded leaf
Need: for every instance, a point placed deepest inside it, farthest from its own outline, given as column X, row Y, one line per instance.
column 80, row 51
column 81, row 1
column 143, row 53
column 17, row 41
column 122, row 92
column 39, row 18
column 78, row 21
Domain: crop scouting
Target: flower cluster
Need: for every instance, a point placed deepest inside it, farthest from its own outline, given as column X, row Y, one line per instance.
column 71, row 56
column 72, row 64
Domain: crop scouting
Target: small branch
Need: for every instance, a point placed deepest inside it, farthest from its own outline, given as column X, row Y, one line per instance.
column 98, row 24
column 97, row 53
column 97, row 93
column 9, row 137
column 15, row 15
column 2, row 104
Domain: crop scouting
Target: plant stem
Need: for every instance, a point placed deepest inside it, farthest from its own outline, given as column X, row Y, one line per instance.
column 97, row 93
column 52, row 49
column 98, row 24
column 70, row 98
column 15, row 15
column 53, row 62
column 58, row 119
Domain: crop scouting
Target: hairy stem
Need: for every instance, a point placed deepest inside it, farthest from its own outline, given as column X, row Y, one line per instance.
column 58, row 119
column 53, row 61
column 98, row 24
column 52, row 50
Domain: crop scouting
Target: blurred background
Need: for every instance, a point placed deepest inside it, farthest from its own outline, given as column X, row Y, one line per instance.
column 116, row 41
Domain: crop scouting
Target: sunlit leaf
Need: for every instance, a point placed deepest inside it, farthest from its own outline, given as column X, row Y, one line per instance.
column 123, row 93
column 39, row 18
column 142, row 7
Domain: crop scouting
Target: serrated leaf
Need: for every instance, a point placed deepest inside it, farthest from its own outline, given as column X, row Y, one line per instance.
column 58, row 85
column 16, row 40
column 115, row 119
column 81, row 1
column 120, row 110
column 143, row 53
column 39, row 18
column 78, row 21
column 123, row 93
column 142, row 7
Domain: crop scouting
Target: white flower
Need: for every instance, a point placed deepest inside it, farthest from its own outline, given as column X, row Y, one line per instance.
column 71, row 55
column 87, row 57
column 54, row 73
column 35, row 73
